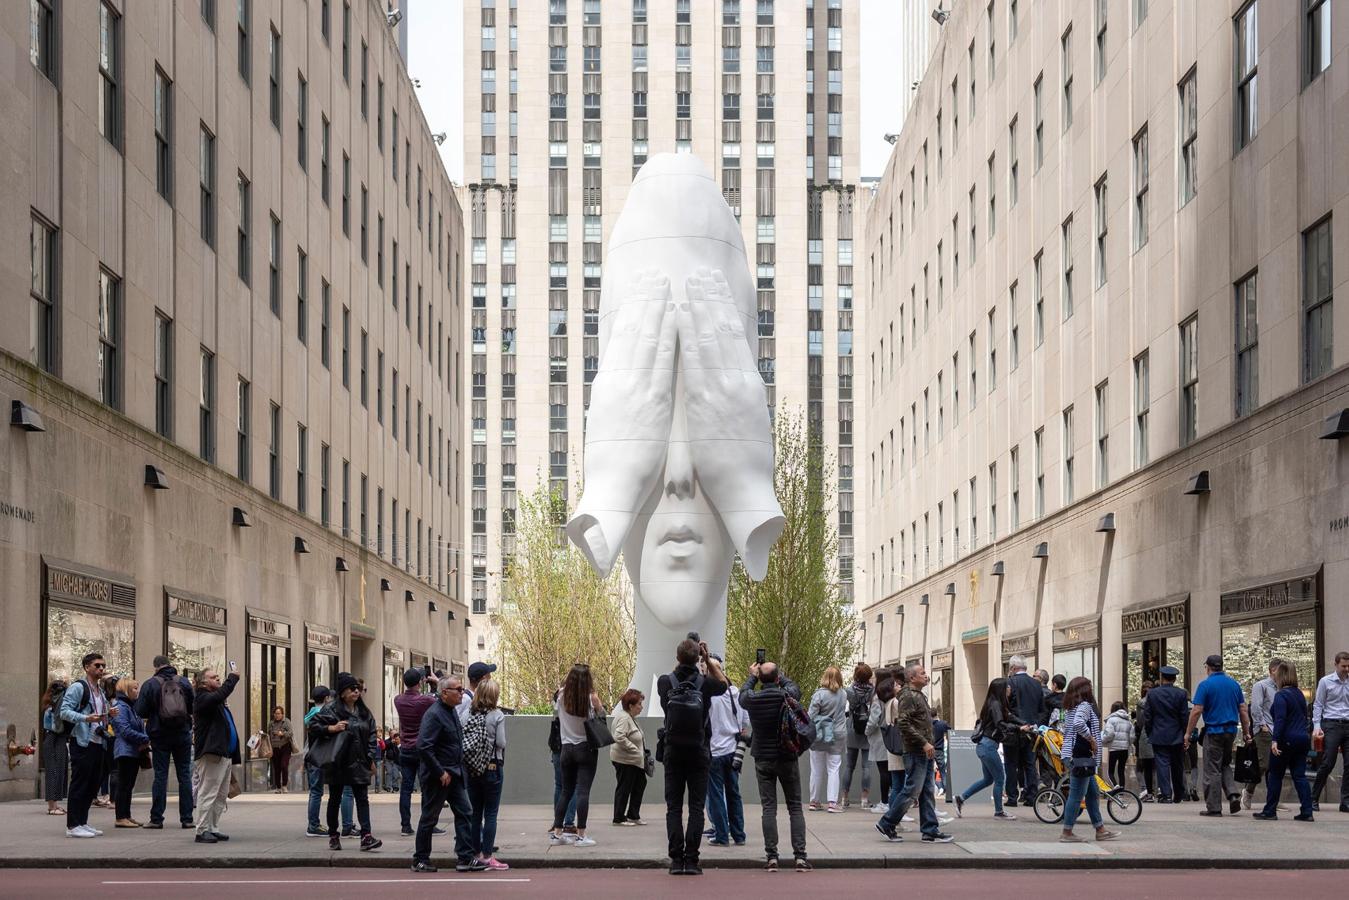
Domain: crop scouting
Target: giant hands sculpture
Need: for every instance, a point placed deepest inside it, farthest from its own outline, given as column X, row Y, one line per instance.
column 678, row 452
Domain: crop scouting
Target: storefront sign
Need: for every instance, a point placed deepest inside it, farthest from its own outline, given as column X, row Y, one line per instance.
column 197, row 613
column 393, row 656
column 439, row 665
column 23, row 514
column 1339, row 524
column 1078, row 634
column 457, row 668
column 1020, row 645
column 322, row 640
column 1170, row 617
column 268, row 629
column 943, row 659
column 66, row 581
column 1271, row 598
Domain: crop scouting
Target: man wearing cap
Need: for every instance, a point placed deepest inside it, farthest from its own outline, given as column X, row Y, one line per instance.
column 1164, row 716
column 1222, row 704
column 411, row 706
column 478, row 672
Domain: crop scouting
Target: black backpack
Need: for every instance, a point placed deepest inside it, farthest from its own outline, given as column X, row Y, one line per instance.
column 860, row 708
column 685, row 712
column 172, row 703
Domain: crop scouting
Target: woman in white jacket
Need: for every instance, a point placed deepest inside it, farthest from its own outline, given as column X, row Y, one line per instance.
column 885, row 692
column 1117, row 736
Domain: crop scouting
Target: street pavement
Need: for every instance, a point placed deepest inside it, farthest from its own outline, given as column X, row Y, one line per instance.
column 267, row 831
column 609, row 884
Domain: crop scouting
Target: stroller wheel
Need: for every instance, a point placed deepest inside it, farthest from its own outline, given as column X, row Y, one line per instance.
column 1124, row 806
column 1049, row 806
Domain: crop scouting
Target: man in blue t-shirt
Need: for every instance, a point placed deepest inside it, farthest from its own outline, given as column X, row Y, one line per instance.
column 1222, row 704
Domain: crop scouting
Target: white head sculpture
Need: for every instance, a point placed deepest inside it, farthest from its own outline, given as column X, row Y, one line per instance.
column 679, row 456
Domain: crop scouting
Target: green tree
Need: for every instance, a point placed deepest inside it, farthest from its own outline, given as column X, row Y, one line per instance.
column 555, row 611
column 796, row 613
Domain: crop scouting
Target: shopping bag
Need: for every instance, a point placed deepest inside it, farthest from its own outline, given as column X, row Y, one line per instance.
column 1247, row 764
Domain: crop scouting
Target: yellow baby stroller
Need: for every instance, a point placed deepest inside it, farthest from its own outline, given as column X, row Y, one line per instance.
column 1122, row 804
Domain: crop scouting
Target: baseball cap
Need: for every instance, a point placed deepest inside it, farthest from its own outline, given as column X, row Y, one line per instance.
column 1214, row 662
column 478, row 670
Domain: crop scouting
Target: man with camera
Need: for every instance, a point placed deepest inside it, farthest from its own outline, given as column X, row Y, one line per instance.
column 686, row 697
column 730, row 723
column 773, row 763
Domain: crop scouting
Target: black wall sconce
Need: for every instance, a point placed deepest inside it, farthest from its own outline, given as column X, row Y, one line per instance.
column 950, row 589
column 301, row 545
column 1107, row 523
column 154, row 478
column 1041, row 551
column 240, row 519
column 384, row 585
column 1336, row 427
column 998, row 569
column 1198, row 483
column 25, row 418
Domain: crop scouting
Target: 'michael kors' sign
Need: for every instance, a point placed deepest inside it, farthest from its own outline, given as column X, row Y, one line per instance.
column 73, row 584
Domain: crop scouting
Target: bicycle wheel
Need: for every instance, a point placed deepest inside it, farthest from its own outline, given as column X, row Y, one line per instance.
column 1049, row 806
column 1124, row 806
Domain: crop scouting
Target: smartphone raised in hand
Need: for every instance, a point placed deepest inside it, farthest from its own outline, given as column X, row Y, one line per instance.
column 234, row 667
column 760, row 655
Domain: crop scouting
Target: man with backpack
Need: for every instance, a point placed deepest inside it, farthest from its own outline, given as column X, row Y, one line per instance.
column 774, row 711
column 165, row 702
column 84, row 709
column 686, row 697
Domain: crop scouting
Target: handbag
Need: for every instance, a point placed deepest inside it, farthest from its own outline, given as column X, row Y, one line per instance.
column 234, row 790
column 329, row 752
column 597, row 733
column 1247, row 764
column 648, row 763
column 892, row 738
column 555, row 735
column 260, row 746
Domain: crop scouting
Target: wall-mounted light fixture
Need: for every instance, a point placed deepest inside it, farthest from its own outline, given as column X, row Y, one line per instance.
column 1107, row 523
column 1336, row 427
column 1199, row 483
column 240, row 519
column 950, row 589
column 922, row 601
column 1041, row 551
column 431, row 604
column 407, row 596
column 154, row 478
column 24, row 417
column 384, row 585
column 342, row 565
column 998, row 569
column 301, row 545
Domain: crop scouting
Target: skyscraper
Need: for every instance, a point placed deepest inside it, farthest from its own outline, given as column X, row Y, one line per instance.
column 564, row 101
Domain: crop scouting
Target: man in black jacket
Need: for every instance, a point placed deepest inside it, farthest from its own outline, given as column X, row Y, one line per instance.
column 772, row 765
column 688, row 757
column 170, row 740
column 1028, row 702
column 440, row 743
column 1164, row 717
column 216, row 741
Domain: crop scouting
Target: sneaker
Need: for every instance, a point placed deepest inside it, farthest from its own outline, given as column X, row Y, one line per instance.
column 889, row 833
column 370, row 842
column 710, row 832
column 80, row 831
column 943, row 816
column 1234, row 804
column 585, row 841
column 1104, row 835
column 407, row 832
column 423, row 867
column 154, row 825
column 350, row 831
column 803, row 865
column 1216, row 813
column 1070, row 838
column 1147, row 798
column 627, row 823
column 97, row 831
column 716, row 843
column 636, row 822
column 311, row 831
column 771, row 865
column 907, row 818
column 437, row 830
column 814, row 807
column 334, row 842
column 220, row 836
column 960, row 806
column 1304, row 818
column 475, row 865
column 1004, row 817
column 879, row 808
column 495, row 864
column 833, row 808
column 691, row 867
column 1246, row 797
column 940, row 837
column 1265, row 817
column 189, row 824
column 676, row 867
column 206, row 838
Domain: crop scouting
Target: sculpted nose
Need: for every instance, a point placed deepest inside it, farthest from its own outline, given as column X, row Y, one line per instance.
column 679, row 471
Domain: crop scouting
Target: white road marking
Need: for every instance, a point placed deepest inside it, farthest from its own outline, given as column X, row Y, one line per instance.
column 421, row 880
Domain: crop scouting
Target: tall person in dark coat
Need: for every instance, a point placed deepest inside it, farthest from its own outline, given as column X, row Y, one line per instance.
column 1164, row 717
column 348, row 722
column 216, row 746
column 440, row 742
column 168, row 721
column 1028, row 704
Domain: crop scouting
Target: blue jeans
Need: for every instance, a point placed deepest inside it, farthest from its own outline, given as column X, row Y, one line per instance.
column 1293, row 759
column 315, row 776
column 408, row 762
column 723, row 801
column 177, row 748
column 994, row 773
column 919, row 787
column 484, row 792
column 569, row 821
column 1079, row 789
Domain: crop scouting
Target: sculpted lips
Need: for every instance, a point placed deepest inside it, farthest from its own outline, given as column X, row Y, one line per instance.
column 682, row 541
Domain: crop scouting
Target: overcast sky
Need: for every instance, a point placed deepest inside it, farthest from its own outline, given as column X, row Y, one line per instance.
column 435, row 51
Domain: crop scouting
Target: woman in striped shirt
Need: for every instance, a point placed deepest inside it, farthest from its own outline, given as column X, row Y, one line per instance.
column 1081, row 753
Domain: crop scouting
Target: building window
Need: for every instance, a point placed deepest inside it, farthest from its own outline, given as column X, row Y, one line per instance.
column 245, row 248
column 325, row 322
column 274, row 452
column 1247, row 59
column 302, row 123
column 302, row 296
column 163, row 375
column 274, row 266
column 244, row 52
column 346, row 195
column 1013, row 329
column 346, row 498
column 1039, row 299
column 207, row 178
column 1066, row 230
column 1247, row 347
column 325, row 464
column 1102, row 438
column 1316, row 301
column 42, row 37
column 206, row 406
column 1066, row 64
column 1141, row 188
column 1015, row 497
column 1068, row 447
column 325, row 140
column 301, row 455
column 346, row 348
column 109, row 71
column 243, row 448
column 42, row 290
column 109, row 363
column 1189, row 380
column 1316, row 34
column 1140, row 12
column 1013, row 166
column 1039, row 462
column 274, row 78
column 1101, row 10
column 1102, row 228
column 365, row 359
column 1142, row 402
column 365, row 80
column 346, row 42
column 163, row 135
column 1189, row 137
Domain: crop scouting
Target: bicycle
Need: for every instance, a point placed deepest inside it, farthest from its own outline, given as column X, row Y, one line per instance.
column 1122, row 804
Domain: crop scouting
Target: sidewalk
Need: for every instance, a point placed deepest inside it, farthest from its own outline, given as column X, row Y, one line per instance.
column 267, row 830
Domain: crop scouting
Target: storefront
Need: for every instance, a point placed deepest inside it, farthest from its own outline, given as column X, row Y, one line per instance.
column 1077, row 650
column 1282, row 618
column 87, row 610
column 1025, row 644
column 395, row 663
column 194, row 633
column 940, row 691
column 268, row 685
column 418, row 660
column 323, row 647
column 440, row 666
column 1155, row 633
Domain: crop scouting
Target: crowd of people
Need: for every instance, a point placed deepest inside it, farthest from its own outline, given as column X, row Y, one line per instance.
column 450, row 743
